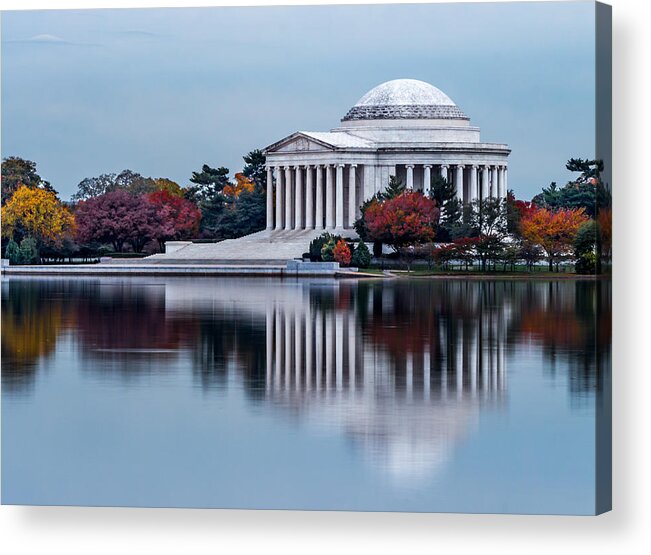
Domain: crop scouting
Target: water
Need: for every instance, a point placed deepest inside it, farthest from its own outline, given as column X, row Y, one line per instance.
column 401, row 395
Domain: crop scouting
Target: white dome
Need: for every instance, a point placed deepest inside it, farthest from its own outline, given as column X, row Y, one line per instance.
column 405, row 92
column 404, row 99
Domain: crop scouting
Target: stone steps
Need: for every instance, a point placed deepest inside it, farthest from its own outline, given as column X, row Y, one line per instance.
column 263, row 247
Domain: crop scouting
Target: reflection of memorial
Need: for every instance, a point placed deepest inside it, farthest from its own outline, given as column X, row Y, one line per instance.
column 405, row 407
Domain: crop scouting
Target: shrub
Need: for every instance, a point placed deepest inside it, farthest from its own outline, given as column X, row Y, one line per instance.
column 361, row 256
column 341, row 253
column 327, row 251
column 316, row 245
column 586, row 263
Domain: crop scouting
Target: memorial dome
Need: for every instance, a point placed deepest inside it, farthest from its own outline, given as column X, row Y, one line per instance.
column 404, row 99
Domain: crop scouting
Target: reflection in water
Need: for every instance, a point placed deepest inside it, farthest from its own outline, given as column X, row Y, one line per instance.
column 405, row 389
column 403, row 368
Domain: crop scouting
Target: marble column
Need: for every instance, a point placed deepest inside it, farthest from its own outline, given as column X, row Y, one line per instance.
column 318, row 210
column 444, row 171
column 352, row 196
column 485, row 185
column 279, row 198
column 298, row 204
column 458, row 182
column 427, row 179
column 339, row 197
column 288, row 198
column 473, row 183
column 309, row 198
column 494, row 185
column 329, row 195
column 505, row 185
column 502, row 181
column 270, row 198
column 410, row 177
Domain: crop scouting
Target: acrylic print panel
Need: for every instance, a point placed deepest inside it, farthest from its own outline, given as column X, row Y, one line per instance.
column 284, row 270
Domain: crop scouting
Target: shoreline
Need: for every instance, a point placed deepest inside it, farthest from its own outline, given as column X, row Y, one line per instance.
column 266, row 271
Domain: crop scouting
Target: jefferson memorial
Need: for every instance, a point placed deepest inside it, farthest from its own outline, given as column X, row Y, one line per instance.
column 406, row 128
column 317, row 180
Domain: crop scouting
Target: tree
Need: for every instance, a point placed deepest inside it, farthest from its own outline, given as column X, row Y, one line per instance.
column 585, row 245
column 361, row 257
column 172, row 187
column 394, row 188
column 242, row 214
column 515, row 210
column 530, row 253
column 255, row 168
column 29, row 251
column 117, row 218
column 208, row 183
column 126, row 180
column 404, row 221
column 242, row 184
column 12, row 252
column 36, row 213
column 341, row 253
column 178, row 217
column 554, row 231
column 16, row 172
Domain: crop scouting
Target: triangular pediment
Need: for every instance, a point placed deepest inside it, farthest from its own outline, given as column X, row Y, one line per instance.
column 299, row 142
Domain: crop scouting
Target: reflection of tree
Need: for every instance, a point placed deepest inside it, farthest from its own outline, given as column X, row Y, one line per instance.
column 33, row 316
column 229, row 337
column 127, row 318
column 572, row 321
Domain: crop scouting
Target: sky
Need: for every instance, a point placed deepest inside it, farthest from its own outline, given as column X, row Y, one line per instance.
column 163, row 91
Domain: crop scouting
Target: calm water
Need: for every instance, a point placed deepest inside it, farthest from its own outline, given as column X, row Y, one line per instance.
column 405, row 395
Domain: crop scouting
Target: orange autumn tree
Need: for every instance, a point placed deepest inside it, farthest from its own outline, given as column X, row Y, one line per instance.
column 553, row 230
column 242, row 183
column 37, row 213
column 341, row 253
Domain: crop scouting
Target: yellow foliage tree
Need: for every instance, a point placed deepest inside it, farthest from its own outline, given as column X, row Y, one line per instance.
column 37, row 213
column 172, row 187
column 242, row 183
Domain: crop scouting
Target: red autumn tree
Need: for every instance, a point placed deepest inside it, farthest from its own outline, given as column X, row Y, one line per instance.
column 117, row 218
column 341, row 253
column 404, row 221
column 179, row 217
column 554, row 231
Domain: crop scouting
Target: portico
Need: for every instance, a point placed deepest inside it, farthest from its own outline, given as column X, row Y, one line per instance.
column 403, row 128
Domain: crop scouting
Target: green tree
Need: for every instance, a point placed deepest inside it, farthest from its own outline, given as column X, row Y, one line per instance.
column 28, row 251
column 254, row 168
column 585, row 248
column 243, row 215
column 208, row 183
column 18, row 171
column 394, row 188
column 12, row 252
column 361, row 256
column 127, row 180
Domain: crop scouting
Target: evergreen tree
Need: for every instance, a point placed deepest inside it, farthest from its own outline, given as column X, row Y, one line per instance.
column 254, row 168
column 442, row 191
column 361, row 256
column 12, row 252
column 28, row 251
column 393, row 189
column 208, row 183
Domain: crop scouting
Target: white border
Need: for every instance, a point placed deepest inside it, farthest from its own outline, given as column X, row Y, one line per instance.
column 624, row 530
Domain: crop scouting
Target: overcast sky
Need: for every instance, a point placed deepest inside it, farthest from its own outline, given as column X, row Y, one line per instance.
column 163, row 91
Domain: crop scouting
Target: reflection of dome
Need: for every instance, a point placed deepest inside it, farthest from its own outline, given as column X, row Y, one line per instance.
column 404, row 99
